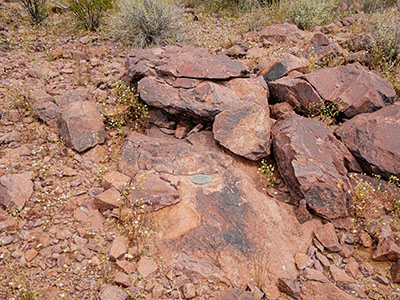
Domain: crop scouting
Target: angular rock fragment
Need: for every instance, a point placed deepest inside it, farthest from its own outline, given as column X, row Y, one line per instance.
column 395, row 271
column 245, row 130
column 374, row 140
column 314, row 164
column 282, row 32
column 327, row 236
column 387, row 250
column 290, row 287
column 15, row 190
column 112, row 292
column 82, row 126
column 237, row 294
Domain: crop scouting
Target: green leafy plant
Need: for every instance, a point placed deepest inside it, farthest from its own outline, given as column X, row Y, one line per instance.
column 37, row 9
column 309, row 13
column 268, row 171
column 90, row 12
column 149, row 22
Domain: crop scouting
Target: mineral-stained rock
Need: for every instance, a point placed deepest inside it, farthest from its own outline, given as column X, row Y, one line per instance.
column 82, row 126
column 314, row 164
column 353, row 87
column 245, row 130
column 374, row 140
column 227, row 218
column 15, row 190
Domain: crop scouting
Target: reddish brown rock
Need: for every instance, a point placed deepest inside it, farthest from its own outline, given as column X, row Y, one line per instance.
column 395, row 271
column 314, row 275
column 327, row 236
column 366, row 269
column 353, row 87
column 69, row 97
column 15, row 190
column 189, row 290
column 30, row 254
column 281, row 67
column 116, row 179
column 387, row 250
column 290, row 287
column 303, row 261
column 352, row 268
column 111, row 292
column 373, row 140
column 314, row 164
column 118, row 248
column 146, row 266
column 49, row 112
column 340, row 275
column 111, row 198
column 237, row 294
column 322, row 49
column 282, row 32
column 122, row 279
column 82, row 126
column 326, row 291
column 244, row 130
column 278, row 110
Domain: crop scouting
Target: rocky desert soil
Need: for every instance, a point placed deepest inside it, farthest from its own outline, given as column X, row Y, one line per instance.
column 104, row 196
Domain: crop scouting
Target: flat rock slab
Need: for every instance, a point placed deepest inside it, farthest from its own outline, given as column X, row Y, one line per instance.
column 245, row 130
column 356, row 89
column 282, row 32
column 82, row 126
column 220, row 228
column 374, row 140
column 314, row 164
column 15, row 190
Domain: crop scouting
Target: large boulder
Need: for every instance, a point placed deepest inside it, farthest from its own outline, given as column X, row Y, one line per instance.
column 353, row 87
column 82, row 125
column 314, row 164
column 15, row 190
column 222, row 226
column 374, row 140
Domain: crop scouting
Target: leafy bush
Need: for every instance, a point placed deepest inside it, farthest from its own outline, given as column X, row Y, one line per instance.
column 37, row 9
column 370, row 6
column 149, row 22
column 89, row 12
column 309, row 13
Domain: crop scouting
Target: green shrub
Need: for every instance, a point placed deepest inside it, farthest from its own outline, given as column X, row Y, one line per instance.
column 149, row 22
column 370, row 6
column 309, row 13
column 37, row 9
column 89, row 12
column 268, row 170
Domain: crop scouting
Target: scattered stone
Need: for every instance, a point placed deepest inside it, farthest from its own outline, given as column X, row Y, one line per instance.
column 15, row 190
column 366, row 239
column 126, row 266
column 30, row 254
column 326, row 291
column 236, row 294
column 146, row 266
column 340, row 275
column 372, row 138
column 302, row 213
column 157, row 291
column 354, row 289
column 346, row 250
column 82, row 126
column 315, row 275
column 381, row 279
column 245, row 130
column 281, row 32
column 111, row 198
column 366, row 269
column 314, row 164
column 116, row 179
column 118, row 248
column 290, row 287
column 302, row 261
column 387, row 250
column 111, row 292
column 395, row 271
column 352, row 268
column 122, row 279
column 327, row 236
column 189, row 290
column 322, row 258
column 323, row 49
column 278, row 110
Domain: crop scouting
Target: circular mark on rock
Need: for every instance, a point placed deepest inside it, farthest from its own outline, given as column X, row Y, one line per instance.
column 201, row 179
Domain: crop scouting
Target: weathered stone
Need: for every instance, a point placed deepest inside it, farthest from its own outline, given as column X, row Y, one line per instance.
column 122, row 279
column 111, row 292
column 237, row 294
column 30, row 254
column 340, row 275
column 353, row 87
column 69, row 97
column 235, row 51
column 395, row 271
column 323, row 259
column 303, row 261
column 15, row 190
column 387, row 250
column 366, row 239
column 315, row 275
column 353, row 268
column 82, row 126
column 322, row 48
column 189, row 290
column 373, row 140
column 280, row 109
column 327, row 236
column 366, row 269
column 282, row 32
column 326, row 291
column 245, row 130
column 118, row 248
column 346, row 250
column 146, row 266
column 314, row 164
column 290, row 287
column 381, row 279
column 111, row 198
column 116, row 179
column 49, row 112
